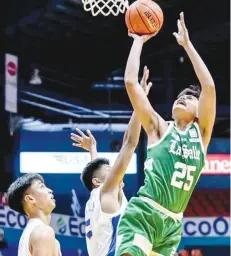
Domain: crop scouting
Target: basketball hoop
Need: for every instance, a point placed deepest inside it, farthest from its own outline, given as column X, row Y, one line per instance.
column 105, row 7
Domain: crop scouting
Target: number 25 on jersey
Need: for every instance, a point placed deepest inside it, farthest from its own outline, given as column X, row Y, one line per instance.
column 181, row 171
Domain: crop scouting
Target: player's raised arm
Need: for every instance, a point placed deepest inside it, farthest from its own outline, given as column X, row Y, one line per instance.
column 150, row 120
column 207, row 100
column 86, row 142
column 131, row 139
column 42, row 241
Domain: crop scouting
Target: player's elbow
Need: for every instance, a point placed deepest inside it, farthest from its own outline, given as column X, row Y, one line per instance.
column 209, row 89
column 130, row 82
column 209, row 85
column 131, row 143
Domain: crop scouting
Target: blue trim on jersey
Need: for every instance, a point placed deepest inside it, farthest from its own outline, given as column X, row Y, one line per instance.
column 114, row 221
column 88, row 222
column 89, row 234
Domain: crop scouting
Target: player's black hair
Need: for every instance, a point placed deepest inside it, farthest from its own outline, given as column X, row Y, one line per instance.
column 194, row 90
column 17, row 189
column 90, row 169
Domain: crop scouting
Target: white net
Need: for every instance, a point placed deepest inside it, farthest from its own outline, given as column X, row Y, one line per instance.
column 105, row 7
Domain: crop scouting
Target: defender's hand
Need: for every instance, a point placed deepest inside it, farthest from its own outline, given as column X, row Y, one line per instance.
column 144, row 81
column 83, row 141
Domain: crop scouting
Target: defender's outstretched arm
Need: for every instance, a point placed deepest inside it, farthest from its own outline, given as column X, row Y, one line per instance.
column 130, row 141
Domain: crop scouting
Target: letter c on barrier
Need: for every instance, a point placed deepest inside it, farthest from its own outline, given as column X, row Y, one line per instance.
column 82, row 228
column 186, row 228
column 12, row 223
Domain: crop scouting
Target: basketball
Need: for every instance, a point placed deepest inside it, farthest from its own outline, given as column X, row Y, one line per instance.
column 144, row 17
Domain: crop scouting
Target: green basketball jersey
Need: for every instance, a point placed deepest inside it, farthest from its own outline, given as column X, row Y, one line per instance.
column 173, row 167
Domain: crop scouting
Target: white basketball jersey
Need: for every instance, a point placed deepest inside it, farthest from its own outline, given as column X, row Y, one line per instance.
column 24, row 243
column 101, row 227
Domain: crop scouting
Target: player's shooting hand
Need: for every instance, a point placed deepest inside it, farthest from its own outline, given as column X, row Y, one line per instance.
column 143, row 38
column 86, row 142
column 144, row 81
column 182, row 36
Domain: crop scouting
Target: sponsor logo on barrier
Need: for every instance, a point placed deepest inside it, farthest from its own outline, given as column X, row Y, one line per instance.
column 12, row 219
column 62, row 224
column 74, row 162
column 75, row 226
column 68, row 225
column 65, row 162
column 217, row 164
column 206, row 227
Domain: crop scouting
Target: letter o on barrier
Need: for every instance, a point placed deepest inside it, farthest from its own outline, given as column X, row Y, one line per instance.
column 22, row 220
column 217, row 223
column 204, row 224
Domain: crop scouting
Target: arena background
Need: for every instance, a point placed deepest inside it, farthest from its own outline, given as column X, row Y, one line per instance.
column 61, row 68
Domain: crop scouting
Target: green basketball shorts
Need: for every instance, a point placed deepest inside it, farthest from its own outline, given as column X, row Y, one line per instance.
column 145, row 231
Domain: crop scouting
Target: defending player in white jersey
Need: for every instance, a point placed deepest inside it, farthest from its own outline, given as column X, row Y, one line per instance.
column 29, row 195
column 107, row 201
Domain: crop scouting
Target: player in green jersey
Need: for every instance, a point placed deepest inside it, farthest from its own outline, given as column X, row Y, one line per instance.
column 152, row 222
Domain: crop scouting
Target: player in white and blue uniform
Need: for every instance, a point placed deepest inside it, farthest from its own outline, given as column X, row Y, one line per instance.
column 107, row 200
column 102, row 225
